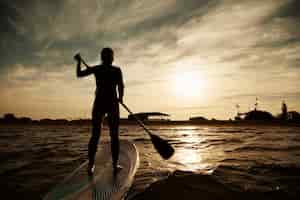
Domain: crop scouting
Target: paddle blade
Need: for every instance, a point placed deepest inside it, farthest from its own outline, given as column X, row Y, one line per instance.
column 162, row 146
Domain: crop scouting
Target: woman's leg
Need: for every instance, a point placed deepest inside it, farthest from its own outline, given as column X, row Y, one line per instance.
column 97, row 118
column 113, row 122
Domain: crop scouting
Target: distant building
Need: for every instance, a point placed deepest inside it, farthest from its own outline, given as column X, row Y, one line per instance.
column 53, row 121
column 153, row 116
column 288, row 115
column 200, row 118
column 238, row 117
column 255, row 114
column 284, row 111
column 293, row 116
column 258, row 115
column 9, row 117
column 25, row 120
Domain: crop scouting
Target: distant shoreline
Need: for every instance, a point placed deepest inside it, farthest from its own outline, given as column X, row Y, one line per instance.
column 158, row 123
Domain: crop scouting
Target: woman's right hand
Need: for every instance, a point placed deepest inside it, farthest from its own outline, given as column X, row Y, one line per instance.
column 77, row 57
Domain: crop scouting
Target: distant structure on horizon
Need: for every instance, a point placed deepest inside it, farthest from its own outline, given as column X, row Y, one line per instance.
column 199, row 118
column 11, row 118
column 258, row 115
column 261, row 115
column 150, row 116
column 251, row 115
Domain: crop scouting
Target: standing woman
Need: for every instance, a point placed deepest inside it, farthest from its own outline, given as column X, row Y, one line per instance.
column 109, row 91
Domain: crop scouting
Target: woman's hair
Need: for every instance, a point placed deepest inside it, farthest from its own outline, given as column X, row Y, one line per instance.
column 107, row 55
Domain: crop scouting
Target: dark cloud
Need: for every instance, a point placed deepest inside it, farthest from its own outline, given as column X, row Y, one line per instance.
column 291, row 9
column 240, row 56
column 268, row 42
column 18, row 45
column 244, row 41
column 30, row 37
column 34, row 32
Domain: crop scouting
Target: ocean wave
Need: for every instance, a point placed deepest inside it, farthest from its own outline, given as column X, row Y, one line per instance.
column 230, row 131
column 266, row 170
column 230, row 167
column 264, row 148
column 189, row 185
column 296, row 139
column 142, row 139
column 287, row 169
column 234, row 160
column 177, row 142
column 260, row 176
column 259, row 132
column 176, row 129
column 18, row 166
column 223, row 140
column 54, row 152
column 12, row 137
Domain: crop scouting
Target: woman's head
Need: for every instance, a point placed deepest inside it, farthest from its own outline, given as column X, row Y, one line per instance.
column 107, row 55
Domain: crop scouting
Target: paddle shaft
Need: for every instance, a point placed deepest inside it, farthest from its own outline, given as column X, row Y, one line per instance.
column 85, row 63
column 162, row 146
column 136, row 119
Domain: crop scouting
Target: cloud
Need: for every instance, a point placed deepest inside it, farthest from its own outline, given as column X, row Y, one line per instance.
column 213, row 30
column 242, row 43
column 64, row 26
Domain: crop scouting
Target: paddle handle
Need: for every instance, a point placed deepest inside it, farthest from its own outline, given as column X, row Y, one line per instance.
column 87, row 66
column 85, row 63
column 136, row 119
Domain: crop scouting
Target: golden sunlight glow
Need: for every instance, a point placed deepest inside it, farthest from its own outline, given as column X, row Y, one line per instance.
column 188, row 84
column 188, row 155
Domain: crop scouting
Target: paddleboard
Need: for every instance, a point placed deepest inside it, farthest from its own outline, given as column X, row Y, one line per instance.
column 103, row 185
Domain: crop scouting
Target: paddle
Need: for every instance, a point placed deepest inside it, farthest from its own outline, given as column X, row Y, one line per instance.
column 161, row 145
column 77, row 56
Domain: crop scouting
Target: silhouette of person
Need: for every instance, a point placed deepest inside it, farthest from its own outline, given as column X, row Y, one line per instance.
column 109, row 82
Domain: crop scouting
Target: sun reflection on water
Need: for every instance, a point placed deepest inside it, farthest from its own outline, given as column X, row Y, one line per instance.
column 188, row 155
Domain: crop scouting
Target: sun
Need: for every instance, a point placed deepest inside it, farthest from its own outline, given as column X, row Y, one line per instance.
column 188, row 84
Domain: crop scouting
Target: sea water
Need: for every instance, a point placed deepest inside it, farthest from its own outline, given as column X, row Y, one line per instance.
column 34, row 158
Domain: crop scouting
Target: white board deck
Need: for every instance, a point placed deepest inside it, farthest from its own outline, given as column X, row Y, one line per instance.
column 103, row 184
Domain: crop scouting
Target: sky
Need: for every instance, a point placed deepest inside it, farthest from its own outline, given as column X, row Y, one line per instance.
column 183, row 57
